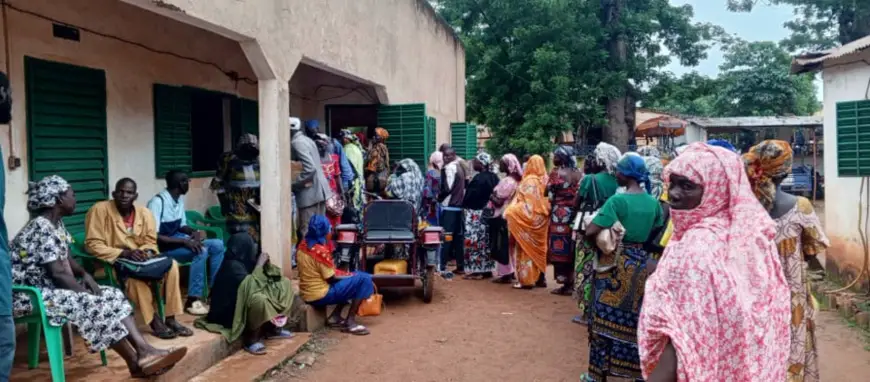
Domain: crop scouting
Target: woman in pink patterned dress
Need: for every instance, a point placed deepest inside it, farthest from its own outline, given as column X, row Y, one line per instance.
column 717, row 306
column 799, row 238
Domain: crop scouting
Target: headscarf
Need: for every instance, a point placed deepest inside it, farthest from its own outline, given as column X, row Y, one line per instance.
column 295, row 124
column 654, row 168
column 312, row 124
column 46, row 192
column 729, row 317
column 765, row 162
column 318, row 229
column 436, row 160
column 649, row 151
column 241, row 247
column 347, row 135
column 382, row 132
column 566, row 156
column 633, row 166
column 607, row 156
column 407, row 182
column 723, row 144
column 484, row 159
column 248, row 139
column 514, row 168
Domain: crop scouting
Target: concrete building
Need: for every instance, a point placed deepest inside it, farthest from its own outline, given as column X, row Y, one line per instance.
column 105, row 89
column 845, row 73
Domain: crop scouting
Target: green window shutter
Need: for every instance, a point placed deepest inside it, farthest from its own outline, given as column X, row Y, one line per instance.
column 431, row 130
column 250, row 111
column 407, row 127
column 853, row 138
column 463, row 138
column 66, row 130
column 172, row 133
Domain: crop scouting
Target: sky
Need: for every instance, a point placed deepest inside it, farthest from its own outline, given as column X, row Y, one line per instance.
column 763, row 23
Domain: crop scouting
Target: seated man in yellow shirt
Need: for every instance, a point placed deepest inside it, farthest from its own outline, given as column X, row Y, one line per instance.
column 321, row 284
column 119, row 229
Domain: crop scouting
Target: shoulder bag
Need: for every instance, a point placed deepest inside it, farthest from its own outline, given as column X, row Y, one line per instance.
column 152, row 269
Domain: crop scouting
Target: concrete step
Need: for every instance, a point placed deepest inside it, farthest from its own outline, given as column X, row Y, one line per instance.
column 243, row 366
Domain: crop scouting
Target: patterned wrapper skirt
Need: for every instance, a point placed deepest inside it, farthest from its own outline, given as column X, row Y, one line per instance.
column 477, row 258
column 617, row 300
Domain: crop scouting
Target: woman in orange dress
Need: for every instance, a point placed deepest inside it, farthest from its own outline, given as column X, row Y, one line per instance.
column 528, row 219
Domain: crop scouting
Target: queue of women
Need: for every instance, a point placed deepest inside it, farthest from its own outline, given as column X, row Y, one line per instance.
column 694, row 271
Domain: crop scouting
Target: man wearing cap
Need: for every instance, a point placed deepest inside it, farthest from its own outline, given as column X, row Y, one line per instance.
column 238, row 180
column 309, row 186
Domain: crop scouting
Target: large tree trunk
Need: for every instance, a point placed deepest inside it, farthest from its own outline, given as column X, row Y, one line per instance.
column 618, row 131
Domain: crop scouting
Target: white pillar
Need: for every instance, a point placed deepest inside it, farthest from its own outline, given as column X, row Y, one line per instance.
column 275, row 220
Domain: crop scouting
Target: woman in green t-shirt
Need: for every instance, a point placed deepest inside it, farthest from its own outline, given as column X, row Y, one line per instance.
column 620, row 277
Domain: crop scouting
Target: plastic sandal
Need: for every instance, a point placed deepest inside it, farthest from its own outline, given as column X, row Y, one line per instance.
column 281, row 335
column 256, row 348
column 357, row 330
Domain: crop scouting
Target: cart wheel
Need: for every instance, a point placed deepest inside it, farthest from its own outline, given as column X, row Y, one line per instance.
column 429, row 285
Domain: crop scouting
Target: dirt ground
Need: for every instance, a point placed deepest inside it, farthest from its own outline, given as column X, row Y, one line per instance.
column 479, row 331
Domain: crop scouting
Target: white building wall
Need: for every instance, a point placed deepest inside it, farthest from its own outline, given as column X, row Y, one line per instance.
column 130, row 73
column 842, row 82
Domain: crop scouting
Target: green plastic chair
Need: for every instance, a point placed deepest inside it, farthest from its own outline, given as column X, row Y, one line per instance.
column 215, row 229
column 37, row 323
column 214, row 212
column 109, row 278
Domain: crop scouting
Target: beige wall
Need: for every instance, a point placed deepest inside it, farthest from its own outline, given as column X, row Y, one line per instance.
column 842, row 82
column 396, row 44
column 130, row 73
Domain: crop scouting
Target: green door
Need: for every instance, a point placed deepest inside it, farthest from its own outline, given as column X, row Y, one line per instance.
column 407, row 125
column 463, row 138
column 66, row 130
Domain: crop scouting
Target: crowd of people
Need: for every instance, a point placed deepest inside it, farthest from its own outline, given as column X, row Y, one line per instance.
column 690, row 267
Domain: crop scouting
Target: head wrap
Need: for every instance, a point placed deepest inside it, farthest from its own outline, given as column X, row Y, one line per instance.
column 535, row 167
column 318, row 228
column 766, row 162
column 241, row 247
column 649, row 151
column 407, row 182
column 607, row 155
column 436, row 160
column 248, row 139
column 514, row 167
column 484, row 159
column 45, row 193
column 295, row 124
column 633, row 166
column 722, row 143
column 349, row 136
column 654, row 168
column 312, row 124
column 382, row 132
column 566, row 156
column 724, row 257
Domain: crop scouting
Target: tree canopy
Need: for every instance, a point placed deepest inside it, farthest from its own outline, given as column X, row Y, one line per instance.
column 819, row 24
column 536, row 68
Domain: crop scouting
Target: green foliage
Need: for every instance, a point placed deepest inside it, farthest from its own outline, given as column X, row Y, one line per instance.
column 819, row 24
column 754, row 81
column 536, row 68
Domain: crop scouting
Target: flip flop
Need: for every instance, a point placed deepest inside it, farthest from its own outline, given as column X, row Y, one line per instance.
column 281, row 335
column 138, row 374
column 165, row 334
column 180, row 329
column 522, row 287
column 256, row 348
column 580, row 320
column 336, row 324
column 156, row 363
column 357, row 330
column 561, row 291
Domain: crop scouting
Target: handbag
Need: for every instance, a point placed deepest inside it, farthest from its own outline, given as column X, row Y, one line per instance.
column 589, row 209
column 152, row 269
column 335, row 204
column 372, row 306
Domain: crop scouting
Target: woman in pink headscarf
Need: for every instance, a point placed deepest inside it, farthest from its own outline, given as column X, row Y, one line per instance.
column 501, row 197
column 717, row 306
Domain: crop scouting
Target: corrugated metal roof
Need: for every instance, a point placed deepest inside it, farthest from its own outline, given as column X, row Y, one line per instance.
column 810, row 62
column 757, row 122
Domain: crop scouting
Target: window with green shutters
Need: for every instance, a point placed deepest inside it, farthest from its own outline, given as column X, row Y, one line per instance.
column 853, row 138
column 408, row 128
column 66, row 130
column 431, row 133
column 188, row 127
column 463, row 138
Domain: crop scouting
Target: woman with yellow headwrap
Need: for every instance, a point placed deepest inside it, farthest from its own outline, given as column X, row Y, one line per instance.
column 378, row 164
column 528, row 219
column 799, row 237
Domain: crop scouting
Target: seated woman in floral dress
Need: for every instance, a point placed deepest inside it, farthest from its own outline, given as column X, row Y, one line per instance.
column 40, row 258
